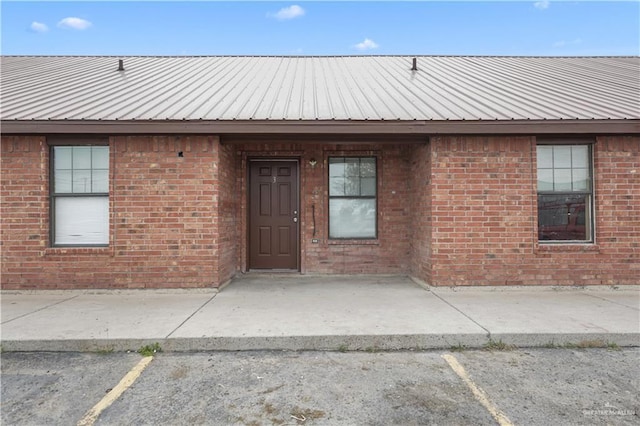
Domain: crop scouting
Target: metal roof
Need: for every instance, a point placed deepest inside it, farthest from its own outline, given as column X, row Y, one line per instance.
column 319, row 88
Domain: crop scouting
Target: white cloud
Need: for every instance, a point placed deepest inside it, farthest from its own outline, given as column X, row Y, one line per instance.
column 38, row 27
column 563, row 43
column 367, row 44
column 542, row 4
column 74, row 23
column 285, row 13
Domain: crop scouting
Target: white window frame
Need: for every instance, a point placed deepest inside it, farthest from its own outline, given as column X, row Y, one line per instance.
column 79, row 217
column 589, row 210
column 373, row 197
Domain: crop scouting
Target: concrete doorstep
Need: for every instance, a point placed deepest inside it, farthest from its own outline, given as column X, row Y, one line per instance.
column 298, row 312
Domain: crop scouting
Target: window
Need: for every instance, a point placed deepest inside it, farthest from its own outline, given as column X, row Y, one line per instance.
column 352, row 197
column 565, row 193
column 80, row 195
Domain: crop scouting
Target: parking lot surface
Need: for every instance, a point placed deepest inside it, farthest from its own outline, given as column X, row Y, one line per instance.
column 518, row 386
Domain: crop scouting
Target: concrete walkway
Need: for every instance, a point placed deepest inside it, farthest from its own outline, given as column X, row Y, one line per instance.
column 294, row 312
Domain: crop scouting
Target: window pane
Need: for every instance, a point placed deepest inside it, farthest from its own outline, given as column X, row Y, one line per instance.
column 100, row 181
column 100, row 157
column 581, row 181
column 562, row 180
column 368, row 167
column 81, row 181
column 580, row 156
column 563, row 217
column 545, row 157
column 62, row 179
column 81, row 157
column 336, row 167
column 562, row 156
column 62, row 157
column 336, row 186
column 368, row 186
column 545, row 180
column 352, row 218
column 352, row 167
column 352, row 186
column 82, row 220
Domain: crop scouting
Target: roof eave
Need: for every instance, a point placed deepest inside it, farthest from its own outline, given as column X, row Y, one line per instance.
column 319, row 127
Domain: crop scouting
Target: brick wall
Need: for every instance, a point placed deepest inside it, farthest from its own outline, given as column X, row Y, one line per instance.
column 164, row 205
column 454, row 211
column 617, row 162
column 161, row 205
column 615, row 256
column 484, row 216
column 24, row 206
column 420, row 241
column 226, row 217
column 389, row 253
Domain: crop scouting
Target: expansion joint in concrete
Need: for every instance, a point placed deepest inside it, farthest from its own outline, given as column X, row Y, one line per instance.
column 191, row 316
column 465, row 315
column 39, row 309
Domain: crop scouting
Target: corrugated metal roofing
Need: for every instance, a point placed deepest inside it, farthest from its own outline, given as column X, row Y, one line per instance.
column 320, row 88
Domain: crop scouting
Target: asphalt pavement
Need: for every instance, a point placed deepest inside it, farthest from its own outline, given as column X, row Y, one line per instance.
column 526, row 386
column 301, row 312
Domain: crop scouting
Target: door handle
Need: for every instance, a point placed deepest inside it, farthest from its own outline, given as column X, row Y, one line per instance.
column 295, row 219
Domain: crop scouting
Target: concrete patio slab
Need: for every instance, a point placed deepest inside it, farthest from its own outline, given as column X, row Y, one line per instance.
column 545, row 316
column 287, row 312
column 15, row 305
column 104, row 317
column 628, row 297
column 298, row 312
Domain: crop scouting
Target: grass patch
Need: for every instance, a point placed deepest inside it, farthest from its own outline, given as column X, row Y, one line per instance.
column 592, row 344
column 343, row 348
column 105, row 350
column 150, row 350
column 458, row 348
column 492, row 345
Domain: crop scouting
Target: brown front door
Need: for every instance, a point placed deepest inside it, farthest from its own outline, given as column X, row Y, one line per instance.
column 273, row 214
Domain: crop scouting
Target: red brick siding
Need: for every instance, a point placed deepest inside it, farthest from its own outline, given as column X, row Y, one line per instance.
column 389, row 253
column 24, row 206
column 454, row 211
column 161, row 205
column 164, row 205
column 227, row 215
column 420, row 202
column 485, row 216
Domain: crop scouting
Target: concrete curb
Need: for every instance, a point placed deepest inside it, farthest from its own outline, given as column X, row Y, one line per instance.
column 542, row 340
column 330, row 343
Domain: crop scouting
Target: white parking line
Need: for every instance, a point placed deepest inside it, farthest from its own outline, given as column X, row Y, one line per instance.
column 92, row 415
column 478, row 393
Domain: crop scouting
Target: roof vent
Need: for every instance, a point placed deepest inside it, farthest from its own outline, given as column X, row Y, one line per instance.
column 414, row 67
column 120, row 65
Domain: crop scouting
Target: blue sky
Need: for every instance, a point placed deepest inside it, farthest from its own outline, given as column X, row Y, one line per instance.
column 539, row 27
